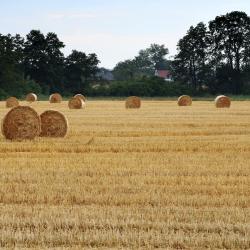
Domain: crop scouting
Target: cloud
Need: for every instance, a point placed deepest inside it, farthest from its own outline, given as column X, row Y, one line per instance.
column 72, row 15
column 86, row 15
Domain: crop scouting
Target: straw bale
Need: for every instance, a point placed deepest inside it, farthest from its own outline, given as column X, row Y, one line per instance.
column 184, row 100
column 12, row 102
column 21, row 123
column 133, row 102
column 55, row 98
column 53, row 124
column 222, row 101
column 76, row 103
column 31, row 97
column 81, row 97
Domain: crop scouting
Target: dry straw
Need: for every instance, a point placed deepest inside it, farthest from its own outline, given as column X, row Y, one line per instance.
column 76, row 103
column 133, row 102
column 184, row 100
column 12, row 102
column 82, row 97
column 55, row 98
column 222, row 101
column 21, row 123
column 31, row 97
column 53, row 124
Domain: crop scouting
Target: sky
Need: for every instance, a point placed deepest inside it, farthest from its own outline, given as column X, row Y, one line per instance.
column 113, row 29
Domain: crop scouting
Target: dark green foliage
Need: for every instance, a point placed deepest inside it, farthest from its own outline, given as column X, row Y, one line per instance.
column 146, row 86
column 211, row 59
column 125, row 70
column 32, row 86
column 37, row 64
column 190, row 62
column 79, row 70
column 3, row 94
column 11, row 74
column 145, row 64
column 217, row 57
column 43, row 59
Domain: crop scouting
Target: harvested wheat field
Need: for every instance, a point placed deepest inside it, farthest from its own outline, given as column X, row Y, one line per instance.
column 161, row 176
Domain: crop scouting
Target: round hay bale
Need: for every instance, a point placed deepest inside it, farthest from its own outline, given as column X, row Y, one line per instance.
column 55, row 98
column 21, row 123
column 12, row 102
column 53, row 124
column 82, row 97
column 133, row 102
column 184, row 100
column 76, row 103
column 31, row 97
column 222, row 101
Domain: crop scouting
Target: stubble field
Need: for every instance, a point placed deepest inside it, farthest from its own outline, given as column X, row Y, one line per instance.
column 162, row 176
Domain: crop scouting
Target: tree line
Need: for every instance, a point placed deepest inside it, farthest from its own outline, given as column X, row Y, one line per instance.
column 211, row 58
column 216, row 56
column 36, row 63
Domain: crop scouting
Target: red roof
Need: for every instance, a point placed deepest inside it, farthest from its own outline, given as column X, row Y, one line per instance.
column 163, row 73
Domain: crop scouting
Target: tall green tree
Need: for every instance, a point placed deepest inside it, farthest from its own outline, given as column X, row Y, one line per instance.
column 144, row 64
column 11, row 73
column 125, row 70
column 79, row 70
column 230, row 46
column 230, row 38
column 191, row 61
column 152, row 57
column 43, row 60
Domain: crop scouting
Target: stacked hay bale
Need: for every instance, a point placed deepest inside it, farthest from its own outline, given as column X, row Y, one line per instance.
column 53, row 124
column 184, row 100
column 222, row 101
column 31, row 97
column 12, row 102
column 76, row 103
column 55, row 98
column 82, row 97
column 133, row 102
column 21, row 123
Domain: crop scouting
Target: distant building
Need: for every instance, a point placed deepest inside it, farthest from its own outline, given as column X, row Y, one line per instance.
column 105, row 74
column 165, row 74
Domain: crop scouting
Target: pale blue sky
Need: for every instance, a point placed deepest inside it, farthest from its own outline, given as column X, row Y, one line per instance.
column 115, row 30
